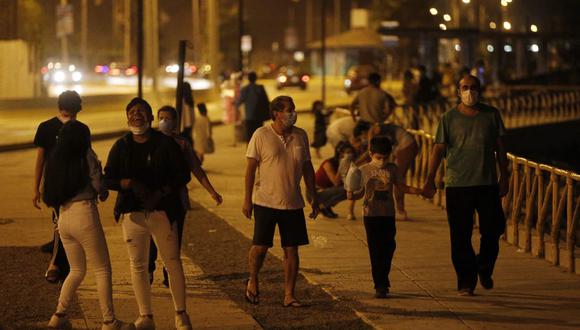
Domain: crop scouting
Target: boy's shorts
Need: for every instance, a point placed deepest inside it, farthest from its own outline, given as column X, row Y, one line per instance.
column 291, row 225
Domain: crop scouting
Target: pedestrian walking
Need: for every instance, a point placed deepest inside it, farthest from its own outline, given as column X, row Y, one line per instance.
column 280, row 154
column 203, row 142
column 373, row 104
column 320, row 123
column 167, row 117
column 256, row 105
column 405, row 150
column 148, row 171
column 376, row 181
column 470, row 137
column 232, row 116
column 187, row 113
column 73, row 180
column 69, row 105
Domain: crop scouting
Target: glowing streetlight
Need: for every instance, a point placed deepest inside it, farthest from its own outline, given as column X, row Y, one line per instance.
column 433, row 11
column 534, row 28
column 447, row 18
column 507, row 25
column 466, row 1
column 457, row 47
column 490, row 48
column 443, row 26
column 534, row 48
column 492, row 25
column 504, row 3
column 507, row 48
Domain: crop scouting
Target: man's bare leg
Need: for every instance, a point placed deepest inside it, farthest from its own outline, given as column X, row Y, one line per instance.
column 291, row 264
column 256, row 258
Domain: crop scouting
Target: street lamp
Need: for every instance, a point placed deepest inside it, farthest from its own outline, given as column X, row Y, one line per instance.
column 504, row 3
column 534, row 28
column 443, row 26
column 507, row 25
column 447, row 18
column 466, row 1
column 492, row 25
column 433, row 11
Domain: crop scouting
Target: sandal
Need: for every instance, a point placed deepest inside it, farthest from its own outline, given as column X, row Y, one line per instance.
column 293, row 303
column 252, row 298
column 52, row 275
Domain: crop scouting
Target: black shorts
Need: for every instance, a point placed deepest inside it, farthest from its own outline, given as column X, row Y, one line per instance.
column 291, row 224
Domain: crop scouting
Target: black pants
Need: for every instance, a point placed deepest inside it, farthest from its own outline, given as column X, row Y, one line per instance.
column 251, row 127
column 177, row 216
column 462, row 202
column 381, row 242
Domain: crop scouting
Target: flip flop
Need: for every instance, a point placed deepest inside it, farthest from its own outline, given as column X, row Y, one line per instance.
column 252, row 298
column 294, row 303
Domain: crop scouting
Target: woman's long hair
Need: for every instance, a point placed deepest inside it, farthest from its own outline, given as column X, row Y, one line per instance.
column 66, row 172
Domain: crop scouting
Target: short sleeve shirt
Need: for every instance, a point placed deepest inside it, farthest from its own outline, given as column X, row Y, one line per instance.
column 470, row 143
column 46, row 134
column 373, row 104
column 280, row 165
column 378, row 186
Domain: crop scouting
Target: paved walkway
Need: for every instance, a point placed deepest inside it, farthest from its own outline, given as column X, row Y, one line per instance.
column 529, row 292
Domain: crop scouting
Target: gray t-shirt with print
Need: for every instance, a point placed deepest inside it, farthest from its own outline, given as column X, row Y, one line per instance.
column 378, row 185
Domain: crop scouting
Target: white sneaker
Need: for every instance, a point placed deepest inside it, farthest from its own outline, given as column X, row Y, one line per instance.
column 118, row 325
column 145, row 323
column 59, row 322
column 182, row 322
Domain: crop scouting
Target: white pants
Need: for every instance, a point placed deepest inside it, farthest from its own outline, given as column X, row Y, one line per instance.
column 83, row 240
column 138, row 228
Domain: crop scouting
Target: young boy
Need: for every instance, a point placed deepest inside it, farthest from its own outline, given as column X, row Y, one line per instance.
column 376, row 181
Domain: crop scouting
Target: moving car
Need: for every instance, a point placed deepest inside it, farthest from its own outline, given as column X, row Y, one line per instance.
column 290, row 76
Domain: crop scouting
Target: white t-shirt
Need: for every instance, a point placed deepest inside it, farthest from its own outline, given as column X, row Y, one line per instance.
column 280, row 165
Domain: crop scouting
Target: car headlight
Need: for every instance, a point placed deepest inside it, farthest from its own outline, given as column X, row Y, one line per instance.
column 282, row 79
column 59, row 76
column 347, row 83
column 77, row 76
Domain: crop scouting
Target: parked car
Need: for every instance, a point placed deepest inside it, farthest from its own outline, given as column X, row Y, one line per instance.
column 290, row 76
column 357, row 77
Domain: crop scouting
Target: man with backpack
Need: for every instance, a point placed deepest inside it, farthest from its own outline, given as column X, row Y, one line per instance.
column 256, row 103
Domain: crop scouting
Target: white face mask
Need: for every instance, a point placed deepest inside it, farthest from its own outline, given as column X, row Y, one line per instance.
column 469, row 97
column 378, row 163
column 289, row 119
column 139, row 130
column 166, row 126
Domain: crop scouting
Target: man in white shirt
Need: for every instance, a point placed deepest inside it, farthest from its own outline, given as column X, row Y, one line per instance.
column 280, row 153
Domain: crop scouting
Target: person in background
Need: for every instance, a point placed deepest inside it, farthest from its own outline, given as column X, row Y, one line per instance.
column 256, row 103
column 188, row 113
column 373, row 104
column 409, row 88
column 340, row 130
column 167, row 117
column 230, row 92
column 202, row 132
column 377, row 180
column 73, row 182
column 320, row 123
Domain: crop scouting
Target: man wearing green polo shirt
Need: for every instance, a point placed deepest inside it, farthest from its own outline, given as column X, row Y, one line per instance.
column 470, row 136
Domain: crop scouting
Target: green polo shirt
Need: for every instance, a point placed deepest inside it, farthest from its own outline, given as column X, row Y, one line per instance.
column 470, row 143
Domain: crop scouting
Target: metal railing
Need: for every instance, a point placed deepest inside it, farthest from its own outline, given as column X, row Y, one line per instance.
column 534, row 190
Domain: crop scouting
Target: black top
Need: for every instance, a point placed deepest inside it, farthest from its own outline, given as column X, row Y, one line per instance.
column 158, row 164
column 47, row 133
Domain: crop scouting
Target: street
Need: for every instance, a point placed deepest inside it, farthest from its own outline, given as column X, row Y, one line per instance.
column 334, row 279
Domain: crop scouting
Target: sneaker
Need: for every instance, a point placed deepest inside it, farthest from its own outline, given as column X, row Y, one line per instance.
column 465, row 292
column 334, row 215
column 182, row 321
column 381, row 293
column 145, row 322
column 327, row 212
column 118, row 325
column 486, row 283
column 350, row 217
column 59, row 322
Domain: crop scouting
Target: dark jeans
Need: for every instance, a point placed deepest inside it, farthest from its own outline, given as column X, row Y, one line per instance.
column 179, row 217
column 462, row 202
column 329, row 197
column 251, row 127
column 381, row 242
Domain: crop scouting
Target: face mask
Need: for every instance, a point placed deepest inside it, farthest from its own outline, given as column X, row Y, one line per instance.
column 139, row 130
column 469, row 98
column 166, row 126
column 289, row 119
column 378, row 163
